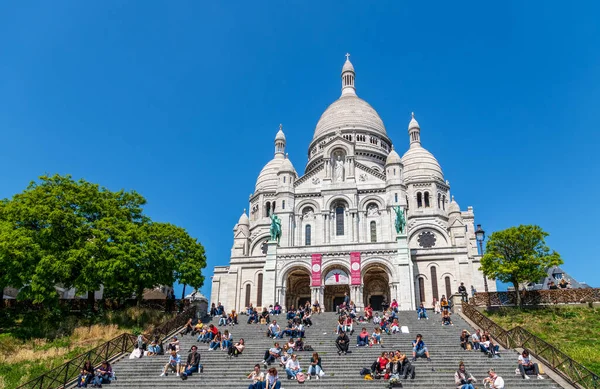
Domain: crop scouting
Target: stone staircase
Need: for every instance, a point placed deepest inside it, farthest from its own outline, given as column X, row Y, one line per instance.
column 341, row 371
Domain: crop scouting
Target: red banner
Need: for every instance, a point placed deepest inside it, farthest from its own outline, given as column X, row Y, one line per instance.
column 316, row 269
column 355, row 268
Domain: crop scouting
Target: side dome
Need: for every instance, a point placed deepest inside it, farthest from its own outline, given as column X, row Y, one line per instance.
column 420, row 163
column 267, row 179
column 393, row 158
column 348, row 112
column 244, row 221
column 287, row 167
column 453, row 207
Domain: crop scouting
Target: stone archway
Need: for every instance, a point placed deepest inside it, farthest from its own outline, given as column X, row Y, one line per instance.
column 337, row 283
column 376, row 286
column 297, row 288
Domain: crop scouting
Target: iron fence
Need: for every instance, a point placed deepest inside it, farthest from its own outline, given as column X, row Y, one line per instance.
column 572, row 371
column 65, row 375
column 537, row 297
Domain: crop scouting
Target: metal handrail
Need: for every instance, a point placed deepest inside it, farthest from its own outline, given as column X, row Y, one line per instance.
column 518, row 337
column 65, row 375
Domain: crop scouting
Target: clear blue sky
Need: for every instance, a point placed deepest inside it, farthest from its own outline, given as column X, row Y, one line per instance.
column 181, row 102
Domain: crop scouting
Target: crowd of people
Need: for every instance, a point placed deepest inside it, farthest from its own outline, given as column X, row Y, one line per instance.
column 283, row 355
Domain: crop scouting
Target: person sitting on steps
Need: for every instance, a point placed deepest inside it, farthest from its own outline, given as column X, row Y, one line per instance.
column 264, row 316
column 85, row 374
column 368, row 312
column 487, row 346
column 376, row 337
column 446, row 321
column 236, row 349
column 249, row 309
column 405, row 368
column 380, row 364
column 226, row 340
column 315, row 366
column 187, row 328
column 192, row 364
column 299, row 345
column 419, row 349
column 223, row 319
column 316, row 308
column 444, row 303
column 174, row 364
column 272, row 354
column 437, row 307
column 272, row 380
column 476, row 338
column 274, row 330
column 292, row 367
column 422, row 312
column 306, row 319
column 463, row 379
column 395, row 327
column 104, row 374
column 376, row 319
column 526, row 366
column 342, row 343
column 216, row 342
column 257, row 377
column 232, row 318
column 362, row 339
column 464, row 340
column 253, row 317
column 494, row 380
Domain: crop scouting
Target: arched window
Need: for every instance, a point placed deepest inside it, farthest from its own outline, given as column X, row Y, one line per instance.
column 307, row 235
column 426, row 199
column 373, row 232
column 419, row 200
column 247, row 294
column 434, row 288
column 444, row 203
column 284, row 179
column 439, row 201
column 282, row 204
column 395, row 197
column 407, row 202
column 259, row 290
column 273, row 210
column 339, row 220
column 422, row 289
column 268, row 209
column 448, row 287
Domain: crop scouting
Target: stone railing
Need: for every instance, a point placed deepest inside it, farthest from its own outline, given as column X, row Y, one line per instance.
column 572, row 371
column 537, row 297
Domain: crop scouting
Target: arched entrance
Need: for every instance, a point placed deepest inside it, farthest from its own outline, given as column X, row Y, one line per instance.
column 376, row 286
column 337, row 284
column 298, row 288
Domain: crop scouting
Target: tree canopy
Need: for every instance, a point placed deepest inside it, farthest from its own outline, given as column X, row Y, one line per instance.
column 518, row 255
column 76, row 234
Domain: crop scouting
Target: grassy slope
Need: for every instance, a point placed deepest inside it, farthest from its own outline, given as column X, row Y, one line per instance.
column 22, row 360
column 573, row 330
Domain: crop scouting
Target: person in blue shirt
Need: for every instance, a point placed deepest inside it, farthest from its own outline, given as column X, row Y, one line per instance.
column 174, row 364
column 419, row 348
column 422, row 312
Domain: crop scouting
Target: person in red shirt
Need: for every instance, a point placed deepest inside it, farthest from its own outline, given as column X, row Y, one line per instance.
column 380, row 364
column 363, row 338
column 368, row 312
column 394, row 305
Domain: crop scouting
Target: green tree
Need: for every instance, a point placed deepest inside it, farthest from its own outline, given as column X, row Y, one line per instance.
column 518, row 255
column 77, row 234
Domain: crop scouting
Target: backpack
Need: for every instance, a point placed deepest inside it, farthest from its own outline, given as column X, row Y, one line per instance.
column 364, row 371
column 308, row 348
column 300, row 378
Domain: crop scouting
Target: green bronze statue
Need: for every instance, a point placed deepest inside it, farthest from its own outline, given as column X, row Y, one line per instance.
column 275, row 228
column 400, row 221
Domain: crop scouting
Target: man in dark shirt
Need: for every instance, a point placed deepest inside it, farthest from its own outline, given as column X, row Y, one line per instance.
column 462, row 289
column 342, row 343
column 192, row 364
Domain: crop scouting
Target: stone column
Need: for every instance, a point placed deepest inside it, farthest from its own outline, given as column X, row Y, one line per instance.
column 270, row 274
column 356, row 227
column 406, row 283
column 325, row 228
column 298, row 231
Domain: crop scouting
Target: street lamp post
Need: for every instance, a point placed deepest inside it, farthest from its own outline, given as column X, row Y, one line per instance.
column 480, row 235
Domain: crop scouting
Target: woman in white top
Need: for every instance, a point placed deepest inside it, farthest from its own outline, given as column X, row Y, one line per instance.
column 292, row 367
column 272, row 379
column 437, row 307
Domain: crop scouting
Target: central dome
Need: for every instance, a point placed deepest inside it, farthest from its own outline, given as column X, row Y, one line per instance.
column 349, row 111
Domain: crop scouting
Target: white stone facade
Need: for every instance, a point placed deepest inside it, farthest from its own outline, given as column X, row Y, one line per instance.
column 342, row 205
